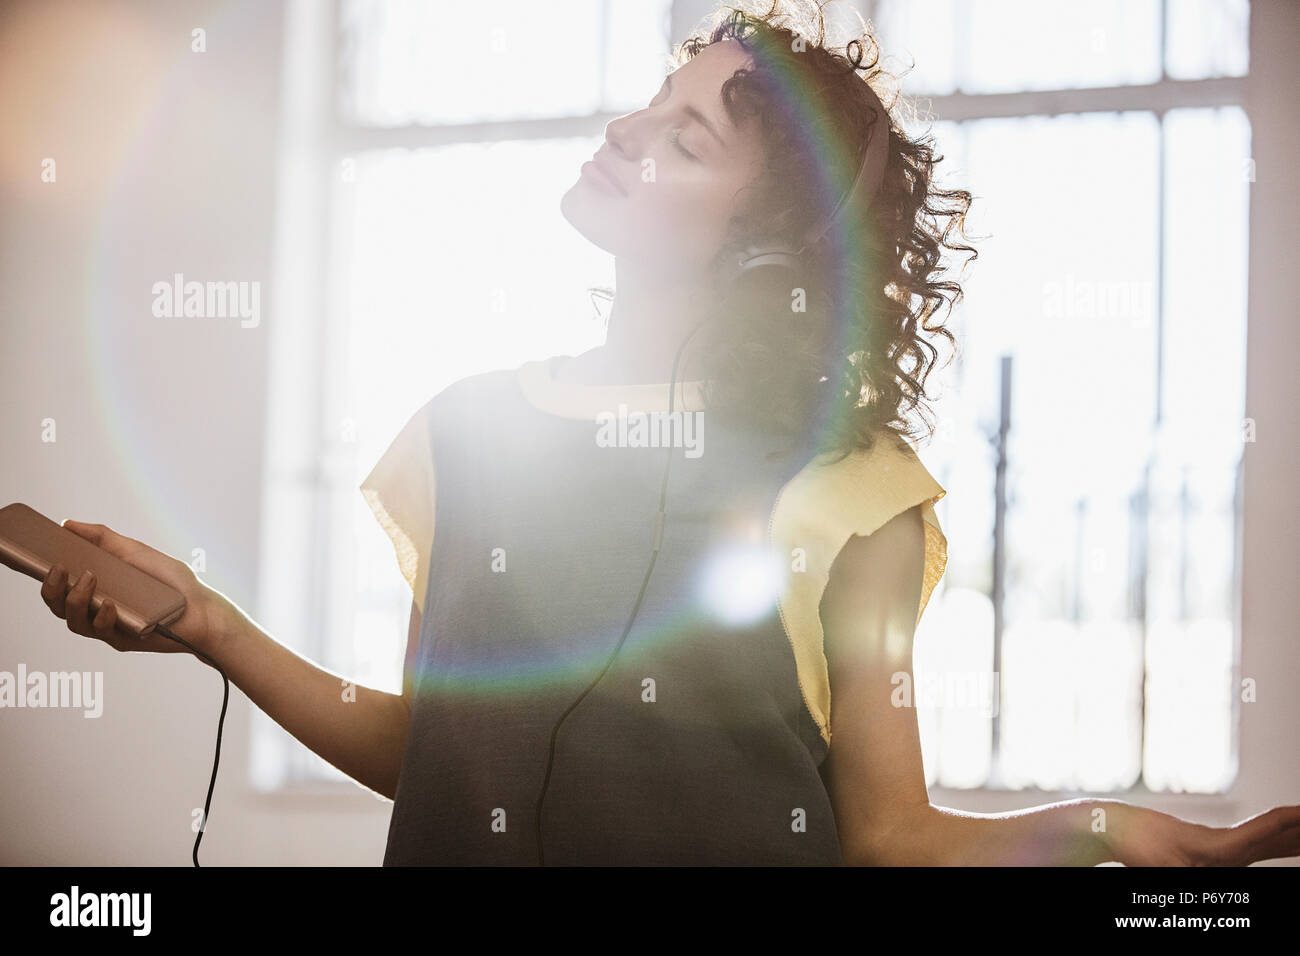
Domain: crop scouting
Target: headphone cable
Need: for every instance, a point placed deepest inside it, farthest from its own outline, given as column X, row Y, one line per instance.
column 225, row 699
column 660, row 517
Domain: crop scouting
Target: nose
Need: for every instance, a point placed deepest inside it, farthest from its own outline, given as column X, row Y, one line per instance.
column 620, row 136
column 614, row 140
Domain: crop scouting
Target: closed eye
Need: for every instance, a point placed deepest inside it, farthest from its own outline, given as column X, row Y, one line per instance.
column 675, row 136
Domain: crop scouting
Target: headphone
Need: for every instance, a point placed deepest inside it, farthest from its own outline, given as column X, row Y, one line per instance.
column 778, row 254
column 768, row 257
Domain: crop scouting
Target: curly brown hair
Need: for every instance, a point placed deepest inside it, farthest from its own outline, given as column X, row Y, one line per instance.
column 854, row 363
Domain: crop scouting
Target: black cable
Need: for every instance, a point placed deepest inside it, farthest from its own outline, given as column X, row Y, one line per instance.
column 225, row 699
column 654, row 556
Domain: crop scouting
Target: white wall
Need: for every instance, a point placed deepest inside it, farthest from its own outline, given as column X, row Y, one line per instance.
column 164, row 163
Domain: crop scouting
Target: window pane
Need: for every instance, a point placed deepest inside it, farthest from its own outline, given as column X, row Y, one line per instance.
column 920, row 32
column 1188, row 730
column 1207, row 191
column 1207, row 38
column 1071, row 705
column 636, row 56
column 1069, row 207
column 953, row 662
column 1104, row 511
column 1002, row 46
column 1054, row 269
column 1031, row 45
column 406, row 62
column 1191, row 583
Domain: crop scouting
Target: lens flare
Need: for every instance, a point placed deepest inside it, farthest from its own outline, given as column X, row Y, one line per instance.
column 740, row 584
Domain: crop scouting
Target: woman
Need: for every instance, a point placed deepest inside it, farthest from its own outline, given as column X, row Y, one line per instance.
column 788, row 562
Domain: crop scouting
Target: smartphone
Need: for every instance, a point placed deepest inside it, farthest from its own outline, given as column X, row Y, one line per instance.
column 32, row 543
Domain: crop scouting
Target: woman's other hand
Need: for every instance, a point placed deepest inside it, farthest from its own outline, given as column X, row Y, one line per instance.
column 1144, row 837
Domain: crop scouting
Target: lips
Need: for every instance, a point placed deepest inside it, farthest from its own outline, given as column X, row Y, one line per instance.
column 597, row 167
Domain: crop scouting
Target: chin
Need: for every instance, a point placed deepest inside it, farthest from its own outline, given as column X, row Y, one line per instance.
column 593, row 219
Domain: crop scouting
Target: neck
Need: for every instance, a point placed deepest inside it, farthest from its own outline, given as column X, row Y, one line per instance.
column 650, row 316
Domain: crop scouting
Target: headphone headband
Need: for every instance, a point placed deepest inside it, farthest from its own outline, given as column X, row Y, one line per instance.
column 870, row 174
column 765, row 253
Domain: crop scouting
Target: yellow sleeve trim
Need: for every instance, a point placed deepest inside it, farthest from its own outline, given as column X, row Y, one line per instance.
column 400, row 492
column 815, row 515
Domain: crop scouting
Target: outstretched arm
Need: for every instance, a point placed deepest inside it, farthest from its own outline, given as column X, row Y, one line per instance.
column 360, row 730
column 874, row 769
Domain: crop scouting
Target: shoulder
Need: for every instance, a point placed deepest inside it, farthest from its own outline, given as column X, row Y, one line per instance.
column 858, row 493
column 473, row 392
column 829, row 501
column 473, row 397
column 833, row 498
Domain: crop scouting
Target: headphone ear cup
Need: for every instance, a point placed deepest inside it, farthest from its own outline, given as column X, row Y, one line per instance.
column 769, row 262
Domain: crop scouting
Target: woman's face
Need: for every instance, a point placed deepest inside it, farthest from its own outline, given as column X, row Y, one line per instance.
column 677, row 167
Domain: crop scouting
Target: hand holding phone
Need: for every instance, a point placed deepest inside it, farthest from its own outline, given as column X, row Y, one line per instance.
column 142, row 593
column 134, row 587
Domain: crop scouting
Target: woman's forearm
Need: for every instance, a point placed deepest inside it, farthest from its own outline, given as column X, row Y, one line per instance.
column 1072, row 833
column 359, row 730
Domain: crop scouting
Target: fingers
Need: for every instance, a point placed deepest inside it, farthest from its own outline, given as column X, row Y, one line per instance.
column 104, row 537
column 105, row 622
column 1269, row 835
column 93, row 533
column 54, row 589
column 163, row 566
column 77, row 604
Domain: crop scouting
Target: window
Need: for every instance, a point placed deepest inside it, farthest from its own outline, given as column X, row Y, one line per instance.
column 1093, row 505
column 1102, row 377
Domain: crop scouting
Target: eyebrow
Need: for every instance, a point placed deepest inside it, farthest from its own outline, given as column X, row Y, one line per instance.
column 696, row 115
